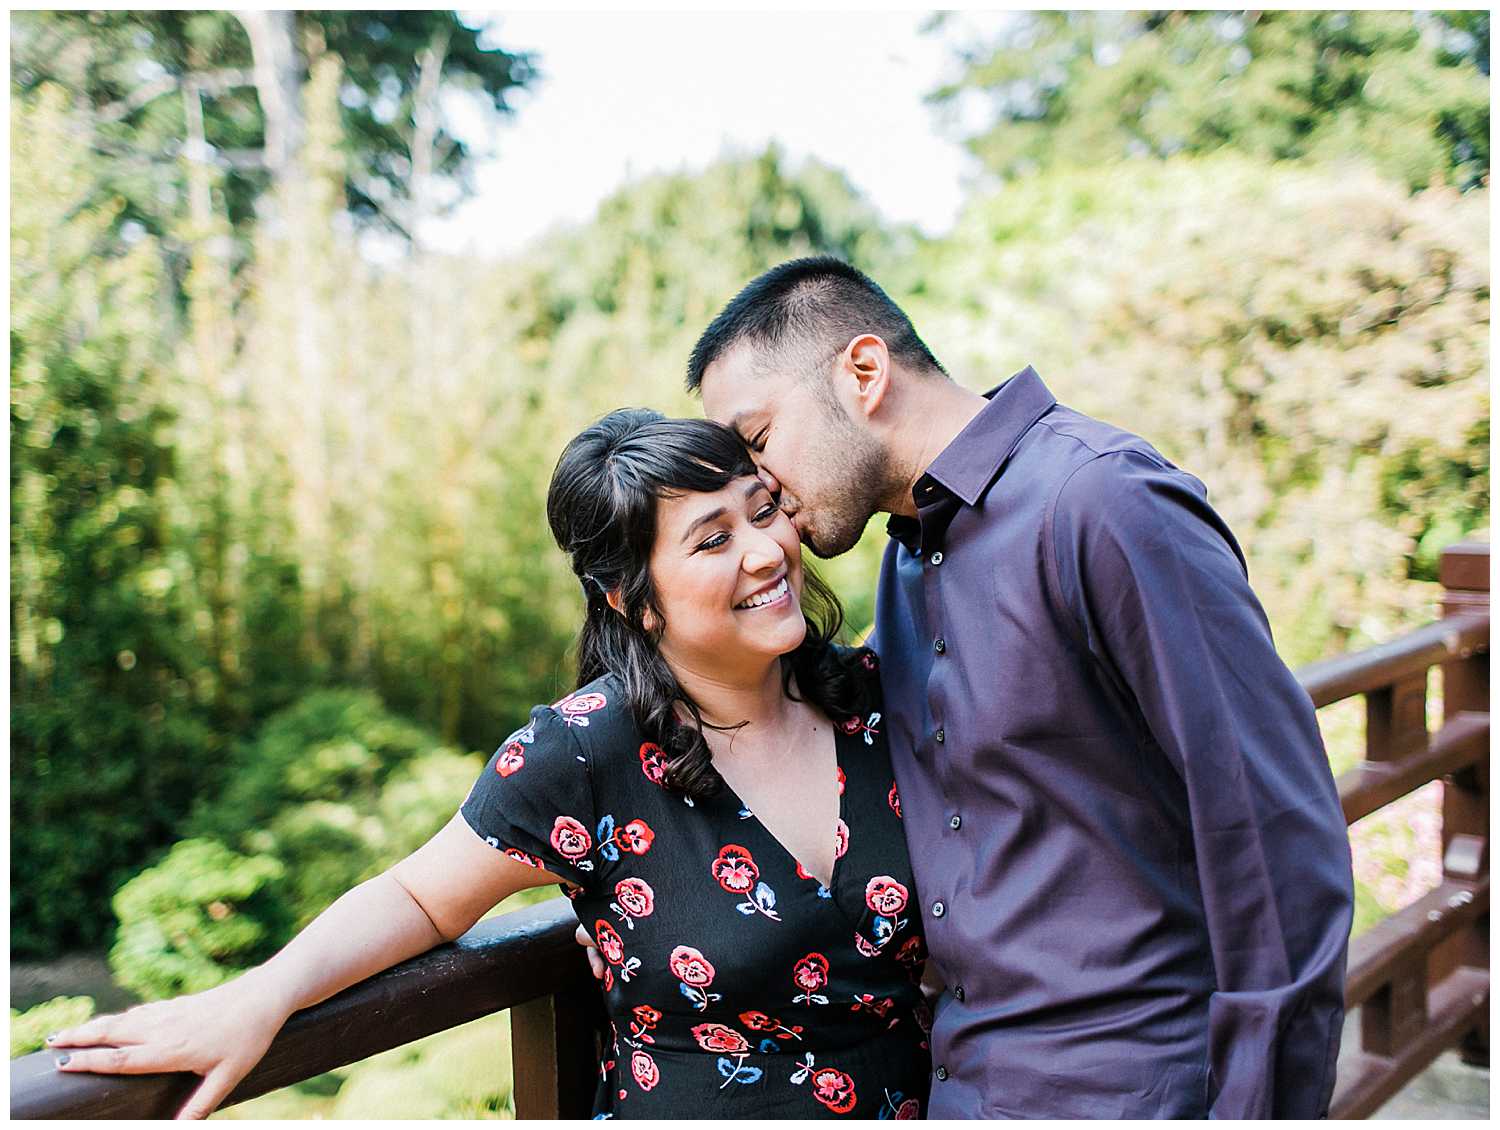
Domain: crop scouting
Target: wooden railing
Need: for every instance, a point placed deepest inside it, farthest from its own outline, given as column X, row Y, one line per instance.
column 1420, row 979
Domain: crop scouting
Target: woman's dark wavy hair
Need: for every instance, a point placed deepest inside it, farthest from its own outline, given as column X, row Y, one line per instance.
column 602, row 507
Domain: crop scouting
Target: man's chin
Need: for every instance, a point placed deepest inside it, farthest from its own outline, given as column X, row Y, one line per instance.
column 824, row 548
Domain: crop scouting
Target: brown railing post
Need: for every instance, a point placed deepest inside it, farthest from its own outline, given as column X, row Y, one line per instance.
column 554, row 1047
column 1465, row 574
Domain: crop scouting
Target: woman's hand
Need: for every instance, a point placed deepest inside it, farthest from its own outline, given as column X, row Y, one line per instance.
column 220, row 1034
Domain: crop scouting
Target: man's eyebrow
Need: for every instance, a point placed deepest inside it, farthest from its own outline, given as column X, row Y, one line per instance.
column 718, row 511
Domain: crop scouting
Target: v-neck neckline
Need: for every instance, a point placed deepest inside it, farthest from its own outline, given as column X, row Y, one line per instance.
column 839, row 738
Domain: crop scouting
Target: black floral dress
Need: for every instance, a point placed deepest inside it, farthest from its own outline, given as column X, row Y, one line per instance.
column 738, row 985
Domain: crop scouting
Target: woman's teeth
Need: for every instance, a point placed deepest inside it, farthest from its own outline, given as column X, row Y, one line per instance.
column 765, row 597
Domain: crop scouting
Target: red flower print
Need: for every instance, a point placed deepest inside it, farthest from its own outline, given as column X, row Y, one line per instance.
column 609, row 978
column 643, row 1067
column 716, row 1037
column 911, row 951
column 851, row 725
column 866, row 1002
column 893, row 798
column 582, row 703
column 870, row 661
column 834, row 1089
column 811, row 973
column 841, row 780
column 521, row 857
column 653, row 763
column 635, row 896
column 636, row 837
column 735, row 869
column 760, row 1022
column 840, row 840
column 910, row 1109
column 866, row 948
column 802, row 872
column 646, row 1018
column 511, row 759
column 570, row 838
column 609, row 941
column 691, row 966
column 885, row 896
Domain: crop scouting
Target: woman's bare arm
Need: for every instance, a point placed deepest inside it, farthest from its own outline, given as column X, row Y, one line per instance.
column 431, row 896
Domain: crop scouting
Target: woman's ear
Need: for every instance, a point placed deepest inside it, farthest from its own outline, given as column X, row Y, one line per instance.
column 615, row 601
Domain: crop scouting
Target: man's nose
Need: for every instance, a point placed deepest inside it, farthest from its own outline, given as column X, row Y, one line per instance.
column 773, row 484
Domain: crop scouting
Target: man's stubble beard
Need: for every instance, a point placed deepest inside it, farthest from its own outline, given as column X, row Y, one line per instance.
column 858, row 476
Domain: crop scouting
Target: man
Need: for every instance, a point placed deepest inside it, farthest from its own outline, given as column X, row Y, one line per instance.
column 1133, row 867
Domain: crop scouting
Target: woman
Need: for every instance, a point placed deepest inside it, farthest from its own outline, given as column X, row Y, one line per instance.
column 716, row 799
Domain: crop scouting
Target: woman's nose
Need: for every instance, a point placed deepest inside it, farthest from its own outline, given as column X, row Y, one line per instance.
column 763, row 553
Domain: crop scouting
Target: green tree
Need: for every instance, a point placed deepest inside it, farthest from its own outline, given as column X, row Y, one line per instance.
column 112, row 722
column 224, row 88
column 1409, row 91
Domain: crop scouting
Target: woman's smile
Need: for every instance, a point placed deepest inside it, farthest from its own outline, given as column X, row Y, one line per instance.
column 777, row 594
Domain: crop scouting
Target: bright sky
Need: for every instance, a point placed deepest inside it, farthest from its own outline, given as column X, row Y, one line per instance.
column 627, row 94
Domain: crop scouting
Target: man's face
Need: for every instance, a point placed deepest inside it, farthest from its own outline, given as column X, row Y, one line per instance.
column 830, row 471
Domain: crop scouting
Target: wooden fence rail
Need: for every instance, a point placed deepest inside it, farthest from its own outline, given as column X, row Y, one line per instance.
column 1420, row 979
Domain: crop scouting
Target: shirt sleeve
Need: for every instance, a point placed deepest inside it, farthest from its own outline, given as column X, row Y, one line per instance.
column 1158, row 590
column 534, row 800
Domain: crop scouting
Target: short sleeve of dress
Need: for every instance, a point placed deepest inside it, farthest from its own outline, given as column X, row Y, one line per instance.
column 535, row 799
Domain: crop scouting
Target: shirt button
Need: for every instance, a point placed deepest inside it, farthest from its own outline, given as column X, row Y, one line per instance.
column 936, row 559
column 939, row 645
column 938, row 910
column 941, row 1073
column 958, row 992
column 939, row 736
column 955, row 822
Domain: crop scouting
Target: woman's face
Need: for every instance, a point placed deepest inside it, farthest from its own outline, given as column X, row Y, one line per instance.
column 727, row 568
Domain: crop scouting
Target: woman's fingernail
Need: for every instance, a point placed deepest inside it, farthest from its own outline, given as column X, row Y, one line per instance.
column 62, row 1060
column 51, row 1036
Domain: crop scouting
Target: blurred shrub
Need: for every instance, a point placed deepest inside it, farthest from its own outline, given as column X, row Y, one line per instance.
column 331, row 792
column 29, row 1029
column 1311, row 343
column 196, row 919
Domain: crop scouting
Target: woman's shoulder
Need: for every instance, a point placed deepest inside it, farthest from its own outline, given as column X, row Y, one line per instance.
column 598, row 710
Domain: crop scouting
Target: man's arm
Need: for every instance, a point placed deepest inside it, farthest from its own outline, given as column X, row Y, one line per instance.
column 1157, row 587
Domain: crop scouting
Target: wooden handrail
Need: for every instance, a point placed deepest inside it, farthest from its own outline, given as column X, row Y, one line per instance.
column 1333, row 680
column 1420, row 978
column 500, row 963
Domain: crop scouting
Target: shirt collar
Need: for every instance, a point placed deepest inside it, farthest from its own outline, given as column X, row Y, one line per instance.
column 968, row 465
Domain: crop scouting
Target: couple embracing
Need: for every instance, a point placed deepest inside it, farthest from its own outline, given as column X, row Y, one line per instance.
column 1062, row 841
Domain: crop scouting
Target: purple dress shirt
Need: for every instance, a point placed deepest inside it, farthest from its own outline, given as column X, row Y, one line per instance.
column 1133, row 867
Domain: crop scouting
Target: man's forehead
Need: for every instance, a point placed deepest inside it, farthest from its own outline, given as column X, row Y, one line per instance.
column 739, row 386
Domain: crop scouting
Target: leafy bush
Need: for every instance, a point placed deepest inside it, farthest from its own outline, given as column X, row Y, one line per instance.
column 28, row 1029
column 330, row 793
column 196, row 919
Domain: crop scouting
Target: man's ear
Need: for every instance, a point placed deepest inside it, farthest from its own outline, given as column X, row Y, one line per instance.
column 865, row 366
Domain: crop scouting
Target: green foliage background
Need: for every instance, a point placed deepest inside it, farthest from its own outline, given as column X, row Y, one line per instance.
column 280, row 568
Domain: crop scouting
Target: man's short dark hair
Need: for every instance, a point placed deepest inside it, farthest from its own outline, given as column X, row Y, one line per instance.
column 814, row 304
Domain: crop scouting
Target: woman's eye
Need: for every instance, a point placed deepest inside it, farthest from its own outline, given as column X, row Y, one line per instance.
column 768, row 512
column 715, row 541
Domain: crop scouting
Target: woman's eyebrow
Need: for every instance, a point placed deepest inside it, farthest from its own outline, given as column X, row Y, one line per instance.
column 718, row 512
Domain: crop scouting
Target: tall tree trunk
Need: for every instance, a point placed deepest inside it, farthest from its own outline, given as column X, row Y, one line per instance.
column 278, row 82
